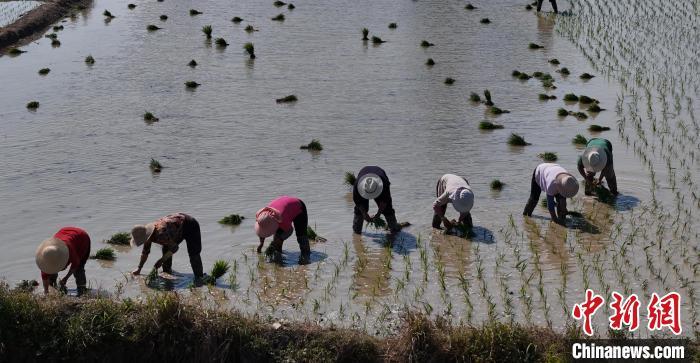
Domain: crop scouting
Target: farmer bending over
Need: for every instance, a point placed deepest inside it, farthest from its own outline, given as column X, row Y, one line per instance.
column 70, row 246
column 596, row 158
column 455, row 190
column 280, row 218
column 558, row 184
column 372, row 183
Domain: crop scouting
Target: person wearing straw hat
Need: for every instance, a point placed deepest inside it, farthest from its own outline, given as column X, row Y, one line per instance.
column 70, row 246
column 455, row 190
column 597, row 158
column 169, row 232
column 279, row 219
column 558, row 184
column 372, row 183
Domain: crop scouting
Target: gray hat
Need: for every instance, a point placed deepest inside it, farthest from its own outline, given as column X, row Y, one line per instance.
column 594, row 159
column 370, row 186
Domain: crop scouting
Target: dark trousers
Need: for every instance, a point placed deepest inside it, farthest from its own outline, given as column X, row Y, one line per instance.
column 193, row 238
column 553, row 2
column 535, row 192
column 389, row 214
column 301, row 224
column 79, row 275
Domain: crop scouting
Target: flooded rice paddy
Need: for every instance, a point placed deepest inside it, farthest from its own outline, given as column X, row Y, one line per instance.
column 82, row 158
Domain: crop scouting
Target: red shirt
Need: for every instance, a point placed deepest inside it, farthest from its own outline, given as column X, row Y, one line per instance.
column 78, row 243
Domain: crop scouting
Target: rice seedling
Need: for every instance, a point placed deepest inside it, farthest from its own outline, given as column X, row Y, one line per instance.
column 594, row 108
column 564, row 71
column 232, row 220
column 365, row 33
column 221, row 42
column 291, row 6
column 392, row 25
column 474, row 97
column 250, row 29
column 579, row 140
column 570, row 97
column 497, row 184
column 349, row 179
column 192, row 84
column 516, row 73
column 163, row 17
column 377, row 40
column 534, row 46
column 236, row 19
column 107, row 14
column 279, row 3
column 485, row 21
column 469, row 6
column 311, row 234
column 554, row 61
column 194, row 12
column 279, row 17
column 546, row 97
column 15, row 51
column 55, row 43
column 426, row 44
column 562, row 112
column 33, row 105
column 287, row 99
column 51, row 36
column 517, row 140
column 314, row 145
column 192, row 63
column 57, row 28
column 120, row 238
column 487, row 95
column 497, row 111
column 149, row 117
column 152, row 28
column 219, row 269
column 430, row 62
column 131, row 6
column 207, row 29
column 44, row 71
column 548, row 156
column 377, row 223
column 586, row 100
column 586, row 76
column 449, row 80
column 528, row 7
column 486, row 125
column 580, row 115
column 250, row 49
column 105, row 254
column 598, row 128
column 155, row 166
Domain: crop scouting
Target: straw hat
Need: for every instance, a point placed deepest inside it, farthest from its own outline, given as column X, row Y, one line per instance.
column 370, row 186
column 267, row 220
column 141, row 233
column 52, row 256
column 464, row 200
column 594, row 159
column 568, row 186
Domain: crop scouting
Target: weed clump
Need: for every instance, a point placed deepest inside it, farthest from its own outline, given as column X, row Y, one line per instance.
column 207, row 29
column 485, row 21
column 534, row 46
column 474, row 97
column 570, row 97
column 314, row 145
column 579, row 140
column 365, row 33
column 554, row 61
column 548, row 156
column 194, row 12
column 449, row 80
column 232, row 220
column 250, row 49
column 149, row 117
column 430, row 62
column 33, row 105
column 152, row 28
column 44, row 71
column 287, row 99
column 470, row 7
column 349, row 178
column 486, row 125
column 192, row 63
column 192, row 84
column 105, row 254
column 426, row 44
column 377, row 40
column 598, row 128
column 221, row 42
column 236, row 19
column 279, row 17
column 497, row 184
column 517, row 140
column 546, row 97
column 392, row 26
column 121, row 238
column 586, row 76
column 155, row 166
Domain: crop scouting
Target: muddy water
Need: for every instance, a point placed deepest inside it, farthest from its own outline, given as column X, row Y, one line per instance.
column 227, row 147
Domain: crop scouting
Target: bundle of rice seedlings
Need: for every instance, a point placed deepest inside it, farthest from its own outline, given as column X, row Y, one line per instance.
column 279, row 3
column 121, row 238
column 528, row 7
column 349, row 179
column 604, row 195
column 107, row 14
column 516, row 73
column 250, row 49
column 314, row 145
column 565, row 71
column 236, row 19
column 152, row 28
column 250, row 29
column 546, row 97
column 192, row 63
column 163, row 17
column 586, row 76
column 33, row 105
column 598, row 128
column 55, row 43
column 548, row 83
column 594, row 108
column 232, row 220
column 538, row 74
column 517, row 140
column 377, row 40
column 486, row 125
column 131, row 6
column 580, row 115
column 44, row 71
column 287, row 99
column 586, row 100
column 562, row 112
column 534, row 46
column 365, row 33
column 219, row 269
column 474, row 97
column 497, row 111
column 548, row 156
column 207, row 29
column 487, row 95
column 57, row 28
column 497, row 184
column 426, row 44
column 470, row 7
column 430, row 62
column 279, row 17
column 310, row 233
column 155, row 166
column 554, row 61
column 291, row 7
column 192, row 84
column 485, row 21
column 449, row 80
column 392, row 25
column 570, row 97
column 51, row 36
column 149, row 117
column 194, row 12
column 106, row 254
column 221, row 42
column 579, row 140
column 524, row 76
column 377, row 223
column 152, row 277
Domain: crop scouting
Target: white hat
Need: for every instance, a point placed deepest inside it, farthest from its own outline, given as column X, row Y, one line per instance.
column 594, row 159
column 568, row 186
column 370, row 186
column 141, row 233
column 463, row 200
column 52, row 256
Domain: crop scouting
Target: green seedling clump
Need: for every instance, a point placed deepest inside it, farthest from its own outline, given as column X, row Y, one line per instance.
column 163, row 17
column 586, row 76
column 565, row 71
column 587, row 100
column 44, row 71
column 365, row 33
column 487, row 96
column 548, row 156
column 15, row 51
column 192, row 84
column 250, row 29
column 377, row 223
column 194, row 12
column 430, row 62
column 579, row 140
column 486, row 125
column 497, row 184
column 485, row 21
column 149, row 117
column 236, row 19
column 107, row 14
column 516, row 73
column 55, row 43
column 51, row 36
column 534, row 46
column 33, row 105
column 497, row 111
column 279, row 17
column 554, row 61
column 219, row 269
column 580, row 115
column 121, row 238
column 349, row 179
column 106, row 254
column 546, row 97
column 279, row 3
column 474, row 97
column 155, row 166
column 287, row 99
column 207, row 29
column 192, row 63
column 426, row 44
column 26, row 285
column 59, row 27
column 604, row 195
column 598, row 128
column 291, row 7
column 250, row 49
column 89, row 60
column 517, row 140
column 528, row 7
column 310, row 233
column 131, row 6
column 314, row 145
column 562, row 112
column 221, row 42
column 524, row 76
column 232, row 220
column 470, row 7
column 377, row 40
column 594, row 108
column 449, row 80
column 392, row 25
column 570, row 97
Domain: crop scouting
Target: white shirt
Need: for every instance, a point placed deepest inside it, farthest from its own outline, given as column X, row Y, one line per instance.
column 546, row 177
column 453, row 185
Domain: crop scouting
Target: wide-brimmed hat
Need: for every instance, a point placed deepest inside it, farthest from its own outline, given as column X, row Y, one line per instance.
column 267, row 221
column 370, row 186
column 463, row 200
column 52, row 256
column 594, row 159
column 568, row 186
column 141, row 233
